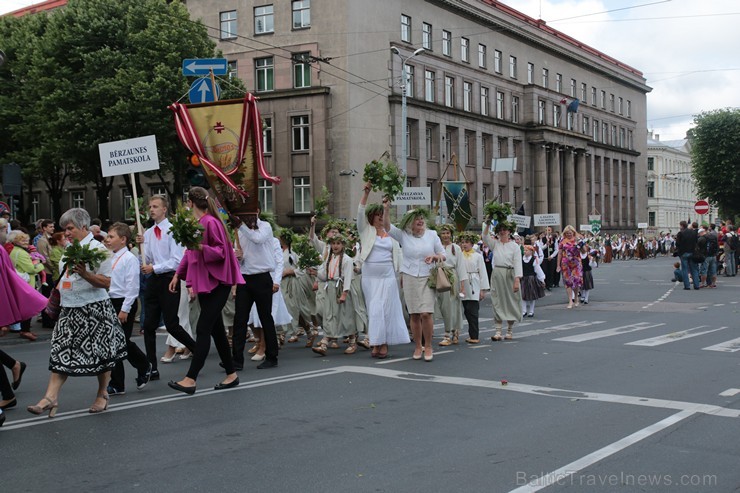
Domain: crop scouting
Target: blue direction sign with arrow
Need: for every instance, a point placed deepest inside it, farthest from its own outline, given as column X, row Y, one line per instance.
column 202, row 91
column 203, row 66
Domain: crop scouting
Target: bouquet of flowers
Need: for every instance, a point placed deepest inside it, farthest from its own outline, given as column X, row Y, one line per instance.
column 76, row 254
column 494, row 211
column 186, row 230
column 308, row 256
column 321, row 204
column 385, row 177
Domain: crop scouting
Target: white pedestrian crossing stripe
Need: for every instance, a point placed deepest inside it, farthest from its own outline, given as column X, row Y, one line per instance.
column 731, row 346
column 625, row 329
column 673, row 336
column 557, row 328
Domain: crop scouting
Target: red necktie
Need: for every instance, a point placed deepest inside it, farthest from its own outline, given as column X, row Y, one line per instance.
column 157, row 232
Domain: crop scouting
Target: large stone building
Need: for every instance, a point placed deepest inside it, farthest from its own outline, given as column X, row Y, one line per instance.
column 491, row 82
column 671, row 190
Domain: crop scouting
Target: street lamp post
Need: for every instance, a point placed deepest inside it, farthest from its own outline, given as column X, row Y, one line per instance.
column 404, row 92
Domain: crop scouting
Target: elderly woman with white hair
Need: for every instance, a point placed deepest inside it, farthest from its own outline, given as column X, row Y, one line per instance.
column 88, row 339
column 506, row 278
column 26, row 268
column 421, row 249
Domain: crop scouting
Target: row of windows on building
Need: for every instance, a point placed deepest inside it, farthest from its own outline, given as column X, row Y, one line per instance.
column 598, row 98
column 264, row 19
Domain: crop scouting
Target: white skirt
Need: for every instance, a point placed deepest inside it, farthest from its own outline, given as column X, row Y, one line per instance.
column 383, row 302
column 280, row 314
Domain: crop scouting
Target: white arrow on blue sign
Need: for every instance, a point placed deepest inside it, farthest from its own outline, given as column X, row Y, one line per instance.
column 203, row 66
column 201, row 91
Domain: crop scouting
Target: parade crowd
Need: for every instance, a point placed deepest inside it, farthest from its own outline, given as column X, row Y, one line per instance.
column 372, row 285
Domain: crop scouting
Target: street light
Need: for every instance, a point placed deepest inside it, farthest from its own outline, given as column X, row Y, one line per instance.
column 404, row 89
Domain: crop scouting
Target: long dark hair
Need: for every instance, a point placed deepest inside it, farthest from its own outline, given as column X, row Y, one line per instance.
column 200, row 199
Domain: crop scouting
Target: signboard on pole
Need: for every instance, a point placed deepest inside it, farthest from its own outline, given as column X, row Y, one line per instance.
column 701, row 207
column 129, row 156
column 547, row 220
column 595, row 222
column 202, row 91
column 503, row 164
column 585, row 228
column 642, row 225
column 414, row 196
column 522, row 222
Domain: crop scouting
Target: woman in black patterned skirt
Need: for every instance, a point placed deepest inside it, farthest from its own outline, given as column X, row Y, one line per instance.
column 88, row 339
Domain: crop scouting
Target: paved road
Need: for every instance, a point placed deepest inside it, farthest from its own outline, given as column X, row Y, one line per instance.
column 637, row 391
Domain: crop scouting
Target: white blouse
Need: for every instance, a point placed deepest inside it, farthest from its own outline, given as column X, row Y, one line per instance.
column 74, row 290
column 416, row 249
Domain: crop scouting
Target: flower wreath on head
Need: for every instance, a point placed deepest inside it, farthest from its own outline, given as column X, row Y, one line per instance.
column 468, row 236
column 411, row 215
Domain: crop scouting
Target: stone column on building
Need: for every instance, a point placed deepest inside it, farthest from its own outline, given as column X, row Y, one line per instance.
column 554, row 195
column 620, row 190
column 629, row 193
column 584, row 190
column 569, row 188
column 540, row 179
column 602, row 189
column 478, row 181
column 609, row 166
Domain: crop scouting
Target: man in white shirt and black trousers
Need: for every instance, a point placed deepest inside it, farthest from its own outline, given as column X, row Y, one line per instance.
column 162, row 256
column 258, row 261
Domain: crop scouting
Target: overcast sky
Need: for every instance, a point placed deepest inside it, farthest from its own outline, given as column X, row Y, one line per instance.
column 686, row 49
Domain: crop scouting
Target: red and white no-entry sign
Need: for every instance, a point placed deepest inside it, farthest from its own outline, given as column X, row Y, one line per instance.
column 701, row 207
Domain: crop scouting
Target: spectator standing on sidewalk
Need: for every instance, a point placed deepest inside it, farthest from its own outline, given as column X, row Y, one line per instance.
column 685, row 246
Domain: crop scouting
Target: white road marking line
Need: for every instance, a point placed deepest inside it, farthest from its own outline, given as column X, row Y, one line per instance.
column 396, row 360
column 730, row 392
column 702, row 307
column 556, row 476
column 719, row 304
column 733, row 302
column 731, row 346
column 481, row 346
column 557, row 328
column 625, row 329
column 521, row 324
column 672, row 337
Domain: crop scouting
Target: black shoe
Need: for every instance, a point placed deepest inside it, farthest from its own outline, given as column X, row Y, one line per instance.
column 12, row 403
column 2, row 418
column 673, row 280
column 181, row 388
column 237, row 367
column 687, row 289
column 696, row 288
column 17, row 383
column 143, row 378
column 222, row 386
column 268, row 363
column 153, row 375
column 115, row 391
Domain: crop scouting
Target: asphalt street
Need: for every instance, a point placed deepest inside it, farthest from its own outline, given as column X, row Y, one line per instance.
column 637, row 391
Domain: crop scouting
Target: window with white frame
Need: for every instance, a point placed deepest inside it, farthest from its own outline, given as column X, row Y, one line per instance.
column 630, row 145
column 432, row 142
column 267, row 135
column 429, row 86
column 651, row 189
column 264, row 74
column 559, row 82
column 405, row 28
column 584, row 93
column 569, row 120
column 157, row 190
column 484, row 96
column 78, row 199
column 448, row 142
column 651, row 218
column 301, row 133
column 512, row 67
column 301, row 70
column 603, row 100
column 446, row 43
column 467, row 96
column 614, row 135
column 545, row 78
column 620, row 106
column 556, row 114
column 629, row 109
column 515, row 109
column 499, row 104
column 426, row 36
column 605, row 133
column 596, row 130
column 408, row 140
column 231, row 69
column 264, row 19
column 228, row 24
column 593, row 96
column 541, row 110
column 302, row 195
column 482, row 56
column 409, row 81
column 572, row 88
column 530, row 73
column 651, row 164
column 265, row 195
column 449, row 91
column 622, row 136
column 465, row 49
column 497, row 55
column 585, row 125
column 301, row 14
column 611, row 103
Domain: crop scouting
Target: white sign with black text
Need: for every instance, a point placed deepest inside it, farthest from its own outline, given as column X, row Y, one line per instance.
column 129, row 156
column 414, row 196
column 547, row 220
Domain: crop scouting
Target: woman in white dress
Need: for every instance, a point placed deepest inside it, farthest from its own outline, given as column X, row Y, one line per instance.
column 380, row 256
column 421, row 249
column 449, row 303
column 506, row 278
column 477, row 285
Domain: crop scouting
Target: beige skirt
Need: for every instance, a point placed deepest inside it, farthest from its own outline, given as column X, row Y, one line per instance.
column 419, row 297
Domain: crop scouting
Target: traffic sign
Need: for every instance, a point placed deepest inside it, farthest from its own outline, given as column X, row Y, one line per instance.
column 201, row 91
column 203, row 66
column 701, row 207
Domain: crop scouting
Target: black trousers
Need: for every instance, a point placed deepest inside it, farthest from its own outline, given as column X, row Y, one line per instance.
column 470, row 309
column 548, row 267
column 257, row 289
column 6, row 390
column 136, row 356
column 211, row 324
column 160, row 303
column 46, row 322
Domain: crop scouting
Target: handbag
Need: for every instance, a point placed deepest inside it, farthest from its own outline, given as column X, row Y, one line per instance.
column 54, row 305
column 443, row 283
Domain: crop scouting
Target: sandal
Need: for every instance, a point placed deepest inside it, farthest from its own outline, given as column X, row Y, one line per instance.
column 50, row 406
column 364, row 343
column 351, row 349
column 292, row 339
column 374, row 352
column 97, row 409
column 472, row 341
column 320, row 349
column 445, row 342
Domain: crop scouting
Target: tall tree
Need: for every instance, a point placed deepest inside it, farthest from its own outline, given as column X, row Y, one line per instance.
column 99, row 71
column 715, row 152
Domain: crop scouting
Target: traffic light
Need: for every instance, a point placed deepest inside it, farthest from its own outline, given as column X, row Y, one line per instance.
column 195, row 173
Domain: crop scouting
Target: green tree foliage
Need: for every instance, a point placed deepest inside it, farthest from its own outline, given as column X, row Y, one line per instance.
column 715, row 152
column 96, row 71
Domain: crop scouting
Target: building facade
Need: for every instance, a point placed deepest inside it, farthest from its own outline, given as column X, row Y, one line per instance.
column 671, row 190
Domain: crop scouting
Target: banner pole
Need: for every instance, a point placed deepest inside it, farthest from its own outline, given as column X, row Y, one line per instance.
column 136, row 211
